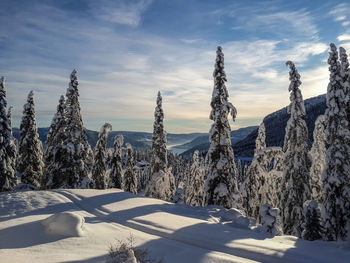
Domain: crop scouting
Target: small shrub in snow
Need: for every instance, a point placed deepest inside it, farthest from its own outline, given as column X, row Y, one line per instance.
column 179, row 194
column 126, row 252
column 313, row 229
column 270, row 220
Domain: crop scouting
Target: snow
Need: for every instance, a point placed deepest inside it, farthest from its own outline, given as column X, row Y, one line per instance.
column 179, row 233
column 64, row 224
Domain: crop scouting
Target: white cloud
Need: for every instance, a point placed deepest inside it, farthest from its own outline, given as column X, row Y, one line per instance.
column 343, row 37
column 121, row 11
column 340, row 18
column 345, row 23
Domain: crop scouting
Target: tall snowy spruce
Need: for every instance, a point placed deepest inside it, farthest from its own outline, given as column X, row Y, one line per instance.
column 79, row 157
column 162, row 183
column 30, row 163
column 318, row 156
column 116, row 174
column 130, row 179
column 195, row 189
column 7, row 146
column 253, row 186
column 221, row 172
column 336, row 192
column 296, row 172
column 100, row 158
column 53, row 147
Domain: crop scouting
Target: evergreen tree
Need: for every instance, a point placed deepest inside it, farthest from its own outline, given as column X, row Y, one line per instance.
column 295, row 187
column 162, row 183
column 100, row 158
column 318, row 155
column 253, row 188
column 336, row 189
column 221, row 172
column 9, row 117
column 53, row 147
column 7, row 146
column 130, row 180
column 116, row 174
column 30, row 160
column 195, row 189
column 312, row 224
column 78, row 157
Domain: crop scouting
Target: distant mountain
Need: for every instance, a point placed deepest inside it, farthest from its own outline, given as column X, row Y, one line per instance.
column 138, row 140
column 202, row 143
column 275, row 124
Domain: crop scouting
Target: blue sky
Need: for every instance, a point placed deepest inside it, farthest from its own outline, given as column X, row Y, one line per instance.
column 125, row 51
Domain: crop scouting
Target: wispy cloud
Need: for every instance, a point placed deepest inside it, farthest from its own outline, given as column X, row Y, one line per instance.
column 120, row 11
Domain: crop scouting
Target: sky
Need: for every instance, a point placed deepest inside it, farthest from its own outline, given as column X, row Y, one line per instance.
column 127, row 51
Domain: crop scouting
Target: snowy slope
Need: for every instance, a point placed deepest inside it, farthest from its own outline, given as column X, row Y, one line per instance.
column 177, row 233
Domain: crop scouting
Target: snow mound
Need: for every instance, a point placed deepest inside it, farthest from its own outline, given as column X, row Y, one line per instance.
column 64, row 224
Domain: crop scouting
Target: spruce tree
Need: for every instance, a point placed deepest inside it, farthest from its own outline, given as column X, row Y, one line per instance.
column 9, row 118
column 79, row 157
column 116, row 174
column 318, row 155
column 195, row 189
column 312, row 227
column 130, row 180
column 253, row 186
column 7, row 146
column 336, row 192
column 221, row 172
column 30, row 163
column 295, row 186
column 162, row 183
column 100, row 158
column 54, row 154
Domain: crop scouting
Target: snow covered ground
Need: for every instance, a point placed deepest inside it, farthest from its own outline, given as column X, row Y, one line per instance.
column 178, row 233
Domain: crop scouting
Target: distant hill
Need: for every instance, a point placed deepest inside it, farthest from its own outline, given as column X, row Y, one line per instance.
column 275, row 124
column 138, row 140
column 202, row 143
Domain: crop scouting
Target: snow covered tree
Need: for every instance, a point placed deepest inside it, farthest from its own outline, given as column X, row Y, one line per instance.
column 260, row 143
column 336, row 188
column 312, row 228
column 130, row 180
column 78, row 157
column 9, row 117
column 270, row 220
column 162, row 183
column 30, row 163
column 195, row 189
column 116, row 174
column 253, row 186
column 221, row 172
column 7, row 146
column 100, row 158
column 53, row 147
column 295, row 186
column 318, row 156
